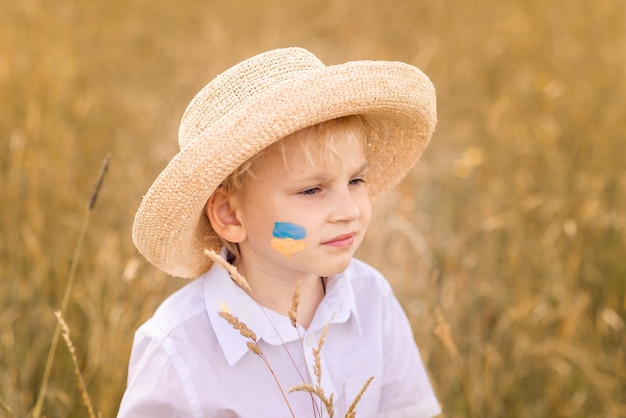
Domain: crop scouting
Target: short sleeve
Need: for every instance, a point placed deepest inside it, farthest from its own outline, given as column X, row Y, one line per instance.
column 406, row 390
column 156, row 382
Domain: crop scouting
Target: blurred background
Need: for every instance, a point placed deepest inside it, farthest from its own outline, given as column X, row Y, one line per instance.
column 505, row 244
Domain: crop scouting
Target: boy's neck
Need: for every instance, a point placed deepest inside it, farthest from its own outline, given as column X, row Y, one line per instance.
column 277, row 293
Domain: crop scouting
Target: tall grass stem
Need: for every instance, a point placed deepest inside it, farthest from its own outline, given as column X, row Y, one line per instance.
column 77, row 373
column 36, row 412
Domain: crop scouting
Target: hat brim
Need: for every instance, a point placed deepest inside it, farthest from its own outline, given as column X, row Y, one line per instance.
column 396, row 101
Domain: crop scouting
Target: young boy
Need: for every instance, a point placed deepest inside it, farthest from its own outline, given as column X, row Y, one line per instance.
column 280, row 159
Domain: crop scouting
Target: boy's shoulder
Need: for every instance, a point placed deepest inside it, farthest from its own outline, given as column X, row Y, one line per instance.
column 185, row 304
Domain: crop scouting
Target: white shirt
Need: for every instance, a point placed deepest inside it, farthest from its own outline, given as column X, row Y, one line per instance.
column 187, row 361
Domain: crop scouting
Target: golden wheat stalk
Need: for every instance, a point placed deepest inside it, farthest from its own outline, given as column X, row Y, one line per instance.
column 319, row 392
column 317, row 368
column 65, row 331
column 238, row 325
column 232, row 270
column 295, row 301
column 293, row 316
column 253, row 346
column 36, row 413
column 352, row 410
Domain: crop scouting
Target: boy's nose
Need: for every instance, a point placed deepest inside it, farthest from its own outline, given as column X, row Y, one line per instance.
column 345, row 207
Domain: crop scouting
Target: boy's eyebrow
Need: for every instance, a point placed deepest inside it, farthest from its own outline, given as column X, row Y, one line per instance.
column 315, row 178
column 321, row 178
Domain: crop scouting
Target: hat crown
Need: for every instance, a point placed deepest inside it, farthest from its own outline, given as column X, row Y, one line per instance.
column 240, row 83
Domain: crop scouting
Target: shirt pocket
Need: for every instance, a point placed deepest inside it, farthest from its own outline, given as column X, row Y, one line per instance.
column 367, row 405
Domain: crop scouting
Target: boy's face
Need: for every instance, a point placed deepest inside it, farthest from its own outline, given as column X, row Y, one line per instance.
column 301, row 216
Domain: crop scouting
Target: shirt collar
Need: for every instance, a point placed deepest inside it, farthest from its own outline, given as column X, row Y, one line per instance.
column 221, row 293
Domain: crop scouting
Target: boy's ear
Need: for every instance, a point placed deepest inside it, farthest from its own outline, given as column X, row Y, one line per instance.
column 222, row 214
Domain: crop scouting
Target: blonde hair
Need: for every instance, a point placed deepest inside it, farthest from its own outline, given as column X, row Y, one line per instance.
column 322, row 152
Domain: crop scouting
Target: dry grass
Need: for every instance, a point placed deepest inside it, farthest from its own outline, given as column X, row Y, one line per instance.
column 512, row 225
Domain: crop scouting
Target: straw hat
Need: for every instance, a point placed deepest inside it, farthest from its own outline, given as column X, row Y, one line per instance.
column 257, row 102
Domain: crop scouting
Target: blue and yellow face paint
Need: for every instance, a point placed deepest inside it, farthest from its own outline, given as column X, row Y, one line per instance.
column 288, row 238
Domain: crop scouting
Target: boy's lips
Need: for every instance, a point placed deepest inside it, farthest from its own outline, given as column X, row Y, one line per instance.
column 341, row 241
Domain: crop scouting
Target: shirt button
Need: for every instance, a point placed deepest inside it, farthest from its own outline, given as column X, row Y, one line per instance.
column 310, row 340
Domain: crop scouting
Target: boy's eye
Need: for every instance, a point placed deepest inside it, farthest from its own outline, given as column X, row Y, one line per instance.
column 310, row 192
column 356, row 181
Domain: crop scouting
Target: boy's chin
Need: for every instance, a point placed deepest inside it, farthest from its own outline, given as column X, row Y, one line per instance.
column 336, row 268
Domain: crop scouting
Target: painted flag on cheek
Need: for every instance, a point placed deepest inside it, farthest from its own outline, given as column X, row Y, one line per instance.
column 288, row 238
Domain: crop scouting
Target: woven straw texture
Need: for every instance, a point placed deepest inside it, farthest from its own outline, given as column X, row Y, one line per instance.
column 254, row 104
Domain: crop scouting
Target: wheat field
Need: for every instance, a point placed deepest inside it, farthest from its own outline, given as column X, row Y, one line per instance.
column 506, row 243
